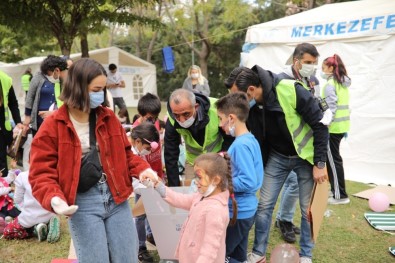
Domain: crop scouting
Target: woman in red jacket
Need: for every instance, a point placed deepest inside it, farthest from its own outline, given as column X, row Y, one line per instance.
column 101, row 222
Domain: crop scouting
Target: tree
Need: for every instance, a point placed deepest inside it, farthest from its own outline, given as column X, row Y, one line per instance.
column 67, row 19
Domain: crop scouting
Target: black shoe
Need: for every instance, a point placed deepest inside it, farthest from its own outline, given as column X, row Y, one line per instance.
column 287, row 231
column 144, row 256
column 150, row 238
column 295, row 228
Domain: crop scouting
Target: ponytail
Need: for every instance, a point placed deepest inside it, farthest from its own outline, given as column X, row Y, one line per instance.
column 339, row 69
column 230, row 188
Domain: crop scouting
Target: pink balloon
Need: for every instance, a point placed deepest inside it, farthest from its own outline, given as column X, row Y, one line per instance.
column 379, row 202
column 284, row 253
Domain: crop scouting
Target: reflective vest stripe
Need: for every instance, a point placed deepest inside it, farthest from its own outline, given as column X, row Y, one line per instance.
column 301, row 132
column 208, row 148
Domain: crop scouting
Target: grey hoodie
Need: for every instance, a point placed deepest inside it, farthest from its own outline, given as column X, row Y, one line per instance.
column 329, row 93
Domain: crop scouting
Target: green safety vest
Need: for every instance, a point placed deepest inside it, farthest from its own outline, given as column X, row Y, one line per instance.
column 341, row 121
column 57, row 94
column 6, row 83
column 25, row 82
column 213, row 138
column 301, row 132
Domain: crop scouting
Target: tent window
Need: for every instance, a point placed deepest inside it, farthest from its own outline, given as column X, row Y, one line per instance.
column 137, row 87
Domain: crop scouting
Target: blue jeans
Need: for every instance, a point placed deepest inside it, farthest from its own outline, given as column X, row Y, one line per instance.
column 142, row 226
column 103, row 231
column 289, row 197
column 276, row 171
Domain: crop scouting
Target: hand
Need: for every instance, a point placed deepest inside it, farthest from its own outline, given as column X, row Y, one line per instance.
column 61, row 207
column 148, row 177
column 319, row 175
column 44, row 114
column 11, row 176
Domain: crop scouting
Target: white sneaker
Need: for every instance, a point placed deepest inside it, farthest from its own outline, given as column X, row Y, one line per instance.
column 254, row 258
column 305, row 260
column 342, row 201
column 41, row 231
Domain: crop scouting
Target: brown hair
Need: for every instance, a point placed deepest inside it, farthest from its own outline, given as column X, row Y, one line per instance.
column 75, row 93
column 219, row 164
column 234, row 103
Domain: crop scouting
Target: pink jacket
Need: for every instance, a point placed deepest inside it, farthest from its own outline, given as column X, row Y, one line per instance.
column 202, row 237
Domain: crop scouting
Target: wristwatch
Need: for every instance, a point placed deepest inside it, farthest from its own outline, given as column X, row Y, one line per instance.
column 320, row 164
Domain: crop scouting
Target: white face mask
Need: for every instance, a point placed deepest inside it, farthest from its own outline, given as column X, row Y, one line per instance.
column 232, row 131
column 195, row 75
column 188, row 123
column 143, row 152
column 210, row 189
column 307, row 70
column 52, row 79
column 324, row 75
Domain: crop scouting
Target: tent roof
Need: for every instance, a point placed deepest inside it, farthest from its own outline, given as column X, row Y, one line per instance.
column 101, row 55
column 355, row 19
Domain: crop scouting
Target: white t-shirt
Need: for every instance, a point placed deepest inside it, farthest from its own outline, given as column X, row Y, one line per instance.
column 82, row 129
column 114, row 78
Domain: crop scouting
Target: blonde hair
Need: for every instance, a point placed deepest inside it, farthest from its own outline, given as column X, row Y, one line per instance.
column 201, row 78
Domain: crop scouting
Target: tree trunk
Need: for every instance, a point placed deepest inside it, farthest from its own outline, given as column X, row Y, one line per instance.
column 84, row 45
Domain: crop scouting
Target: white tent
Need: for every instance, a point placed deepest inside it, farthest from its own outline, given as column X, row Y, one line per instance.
column 363, row 34
column 139, row 75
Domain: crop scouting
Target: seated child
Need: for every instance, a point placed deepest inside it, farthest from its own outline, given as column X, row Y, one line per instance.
column 33, row 218
column 203, row 234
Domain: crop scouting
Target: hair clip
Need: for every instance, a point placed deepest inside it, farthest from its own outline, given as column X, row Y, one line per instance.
column 232, row 195
column 153, row 145
column 222, row 154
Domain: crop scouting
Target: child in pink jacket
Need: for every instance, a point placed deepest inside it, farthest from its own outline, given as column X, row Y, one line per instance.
column 202, row 237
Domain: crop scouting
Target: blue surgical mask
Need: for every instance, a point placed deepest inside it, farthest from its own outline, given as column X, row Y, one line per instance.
column 252, row 103
column 96, row 99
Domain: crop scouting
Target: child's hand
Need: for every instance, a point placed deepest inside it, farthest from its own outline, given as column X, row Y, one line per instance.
column 61, row 207
column 148, row 177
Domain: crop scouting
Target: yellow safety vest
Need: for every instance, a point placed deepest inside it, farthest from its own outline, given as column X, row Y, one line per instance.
column 25, row 80
column 301, row 132
column 6, row 83
column 213, row 138
column 341, row 122
column 57, row 94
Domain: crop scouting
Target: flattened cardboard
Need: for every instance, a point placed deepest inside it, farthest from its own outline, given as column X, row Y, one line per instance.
column 388, row 190
column 318, row 203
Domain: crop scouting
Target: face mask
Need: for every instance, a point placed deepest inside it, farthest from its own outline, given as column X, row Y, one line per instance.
column 52, row 79
column 210, row 190
column 95, row 99
column 307, row 70
column 195, row 75
column 324, row 75
column 143, row 152
column 188, row 123
column 231, row 130
column 252, row 103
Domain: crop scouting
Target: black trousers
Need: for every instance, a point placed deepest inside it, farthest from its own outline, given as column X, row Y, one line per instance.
column 5, row 139
column 340, row 183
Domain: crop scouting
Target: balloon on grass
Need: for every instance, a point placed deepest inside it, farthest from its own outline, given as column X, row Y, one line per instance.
column 284, row 253
column 379, row 202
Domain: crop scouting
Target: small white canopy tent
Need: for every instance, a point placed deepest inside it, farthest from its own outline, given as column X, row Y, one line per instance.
column 139, row 75
column 362, row 33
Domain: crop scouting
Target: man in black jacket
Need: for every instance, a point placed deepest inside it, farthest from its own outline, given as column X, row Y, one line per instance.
column 194, row 117
column 293, row 139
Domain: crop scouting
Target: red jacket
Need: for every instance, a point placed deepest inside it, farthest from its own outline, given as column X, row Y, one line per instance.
column 55, row 158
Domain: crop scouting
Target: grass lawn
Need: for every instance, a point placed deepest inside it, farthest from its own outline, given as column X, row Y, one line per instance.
column 344, row 237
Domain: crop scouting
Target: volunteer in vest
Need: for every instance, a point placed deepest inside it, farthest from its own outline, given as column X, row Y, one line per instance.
column 301, row 67
column 44, row 91
column 194, row 117
column 336, row 94
column 8, row 108
column 296, row 140
column 25, row 79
